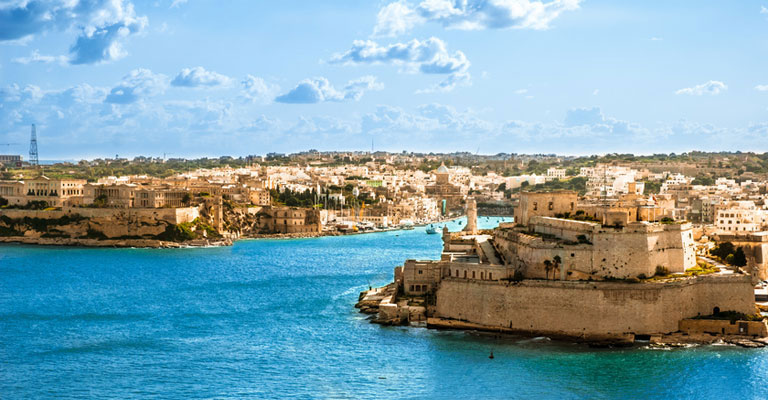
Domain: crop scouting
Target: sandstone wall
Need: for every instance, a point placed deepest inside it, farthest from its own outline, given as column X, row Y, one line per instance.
column 97, row 223
column 591, row 308
column 724, row 327
column 170, row 215
column 618, row 253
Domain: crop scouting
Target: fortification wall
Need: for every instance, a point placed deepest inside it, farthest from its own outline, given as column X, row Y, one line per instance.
column 618, row 253
column 571, row 308
column 564, row 228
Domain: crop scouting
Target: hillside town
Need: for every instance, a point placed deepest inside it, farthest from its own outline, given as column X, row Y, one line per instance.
column 313, row 193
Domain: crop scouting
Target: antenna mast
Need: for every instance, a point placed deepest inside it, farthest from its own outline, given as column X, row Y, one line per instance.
column 33, row 147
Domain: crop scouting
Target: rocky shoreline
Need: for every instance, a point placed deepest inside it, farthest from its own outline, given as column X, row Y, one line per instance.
column 120, row 243
column 161, row 244
column 154, row 243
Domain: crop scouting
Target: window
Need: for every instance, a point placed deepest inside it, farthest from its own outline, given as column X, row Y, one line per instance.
column 535, row 206
column 490, row 275
column 411, row 288
column 473, row 274
column 465, row 273
column 420, row 272
column 551, row 205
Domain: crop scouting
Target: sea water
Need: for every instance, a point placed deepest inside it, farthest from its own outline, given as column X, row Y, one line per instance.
column 275, row 319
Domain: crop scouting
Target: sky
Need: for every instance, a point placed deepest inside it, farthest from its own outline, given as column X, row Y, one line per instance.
column 192, row 78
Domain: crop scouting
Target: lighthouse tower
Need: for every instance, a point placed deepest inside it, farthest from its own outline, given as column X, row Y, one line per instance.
column 471, row 226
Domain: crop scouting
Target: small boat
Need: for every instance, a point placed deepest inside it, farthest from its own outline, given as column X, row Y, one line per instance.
column 431, row 230
column 491, row 356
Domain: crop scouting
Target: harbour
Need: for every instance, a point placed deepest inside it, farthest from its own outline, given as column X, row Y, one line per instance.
column 274, row 318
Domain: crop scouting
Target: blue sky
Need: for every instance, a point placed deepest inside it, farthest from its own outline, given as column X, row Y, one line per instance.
column 210, row 78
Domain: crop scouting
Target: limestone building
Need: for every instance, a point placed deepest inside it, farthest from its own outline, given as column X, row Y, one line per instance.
column 53, row 192
column 546, row 204
column 443, row 189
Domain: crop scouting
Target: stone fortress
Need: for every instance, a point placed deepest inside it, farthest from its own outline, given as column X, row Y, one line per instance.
column 556, row 271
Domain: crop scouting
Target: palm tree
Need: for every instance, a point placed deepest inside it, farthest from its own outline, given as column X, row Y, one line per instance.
column 557, row 260
column 547, row 266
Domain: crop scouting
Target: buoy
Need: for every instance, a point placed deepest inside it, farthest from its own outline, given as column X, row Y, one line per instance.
column 491, row 356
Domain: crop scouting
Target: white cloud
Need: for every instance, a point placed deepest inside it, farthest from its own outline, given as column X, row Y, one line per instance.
column 138, row 84
column 400, row 17
column 257, row 90
column 178, row 3
column 318, row 90
column 763, row 10
column 429, row 56
column 355, row 88
column 101, row 26
column 388, row 119
column 428, row 118
column 761, row 88
column 38, row 58
column 593, row 120
column 450, row 118
column 262, row 123
column 711, row 87
column 322, row 125
column 395, row 19
column 200, row 77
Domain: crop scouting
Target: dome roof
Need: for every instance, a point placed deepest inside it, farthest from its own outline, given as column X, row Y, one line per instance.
column 442, row 169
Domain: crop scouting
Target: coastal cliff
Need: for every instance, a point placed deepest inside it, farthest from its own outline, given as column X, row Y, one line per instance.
column 109, row 228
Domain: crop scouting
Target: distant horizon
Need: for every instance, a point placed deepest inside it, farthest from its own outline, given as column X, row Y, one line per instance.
column 198, row 157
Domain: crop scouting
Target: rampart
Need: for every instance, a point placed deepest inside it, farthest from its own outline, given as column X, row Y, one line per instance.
column 585, row 309
column 588, row 249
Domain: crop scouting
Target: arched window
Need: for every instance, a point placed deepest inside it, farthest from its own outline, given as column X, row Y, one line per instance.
column 465, row 274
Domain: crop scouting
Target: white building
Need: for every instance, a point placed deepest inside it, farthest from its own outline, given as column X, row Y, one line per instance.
column 555, row 173
column 742, row 216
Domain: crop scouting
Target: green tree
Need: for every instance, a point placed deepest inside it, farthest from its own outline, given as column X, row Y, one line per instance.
column 723, row 250
column 557, row 260
column 739, row 258
column 100, row 200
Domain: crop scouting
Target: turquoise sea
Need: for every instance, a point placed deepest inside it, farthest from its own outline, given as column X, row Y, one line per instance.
column 275, row 319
